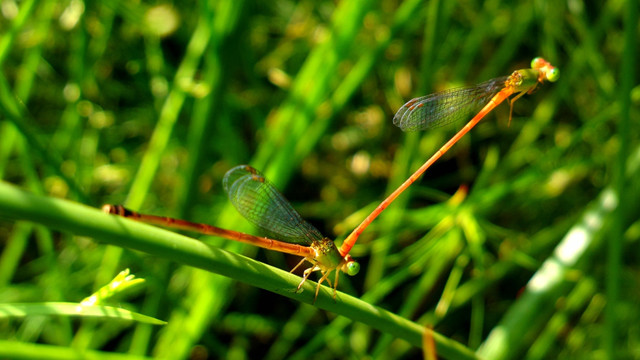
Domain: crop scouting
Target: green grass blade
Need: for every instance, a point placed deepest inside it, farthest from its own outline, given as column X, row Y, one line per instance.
column 81, row 220
column 16, row 310
column 614, row 253
column 541, row 292
column 27, row 351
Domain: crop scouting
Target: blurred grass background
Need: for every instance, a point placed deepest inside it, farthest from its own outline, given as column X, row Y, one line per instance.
column 150, row 104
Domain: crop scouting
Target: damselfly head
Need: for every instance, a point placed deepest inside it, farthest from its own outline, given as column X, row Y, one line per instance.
column 550, row 72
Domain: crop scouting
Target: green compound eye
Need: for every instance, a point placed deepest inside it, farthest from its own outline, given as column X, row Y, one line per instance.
column 553, row 75
column 534, row 62
column 352, row 268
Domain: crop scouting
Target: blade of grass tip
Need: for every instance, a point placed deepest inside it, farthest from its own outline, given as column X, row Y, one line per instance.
column 614, row 258
column 153, row 300
column 81, row 220
column 17, row 310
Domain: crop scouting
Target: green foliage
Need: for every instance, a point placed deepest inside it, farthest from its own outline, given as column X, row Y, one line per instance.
column 499, row 248
column 50, row 309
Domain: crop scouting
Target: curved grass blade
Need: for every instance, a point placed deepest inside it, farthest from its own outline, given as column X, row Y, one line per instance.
column 19, row 310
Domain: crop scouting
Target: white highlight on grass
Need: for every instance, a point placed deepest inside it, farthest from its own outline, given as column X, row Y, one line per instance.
column 572, row 247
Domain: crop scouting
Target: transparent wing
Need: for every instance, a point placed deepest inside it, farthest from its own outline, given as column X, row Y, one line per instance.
column 263, row 205
column 446, row 107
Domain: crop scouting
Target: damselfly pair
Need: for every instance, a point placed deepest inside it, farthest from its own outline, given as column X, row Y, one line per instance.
column 263, row 205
